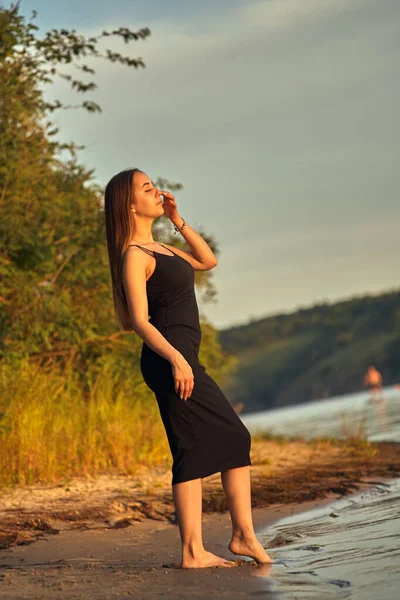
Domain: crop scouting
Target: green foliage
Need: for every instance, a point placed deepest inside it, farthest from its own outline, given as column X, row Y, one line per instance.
column 72, row 397
column 36, row 59
column 55, row 290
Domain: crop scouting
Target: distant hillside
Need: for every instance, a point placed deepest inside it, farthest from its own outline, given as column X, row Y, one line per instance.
column 315, row 352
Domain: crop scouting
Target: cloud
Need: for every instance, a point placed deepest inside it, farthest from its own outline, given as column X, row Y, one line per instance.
column 229, row 77
column 285, row 14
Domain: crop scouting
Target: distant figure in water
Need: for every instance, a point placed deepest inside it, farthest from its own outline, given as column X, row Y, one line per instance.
column 373, row 379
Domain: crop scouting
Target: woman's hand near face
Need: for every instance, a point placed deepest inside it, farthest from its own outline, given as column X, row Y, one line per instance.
column 170, row 206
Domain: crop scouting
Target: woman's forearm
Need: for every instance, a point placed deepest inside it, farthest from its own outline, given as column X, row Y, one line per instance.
column 156, row 341
column 198, row 245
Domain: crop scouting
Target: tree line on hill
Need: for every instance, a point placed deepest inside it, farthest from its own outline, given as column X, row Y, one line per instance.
column 314, row 352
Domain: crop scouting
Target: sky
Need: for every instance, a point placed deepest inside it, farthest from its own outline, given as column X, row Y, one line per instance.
column 280, row 119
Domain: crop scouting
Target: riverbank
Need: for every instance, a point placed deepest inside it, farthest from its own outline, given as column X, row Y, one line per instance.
column 136, row 562
column 283, row 472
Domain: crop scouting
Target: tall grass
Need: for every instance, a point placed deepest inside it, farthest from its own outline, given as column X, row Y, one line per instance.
column 353, row 426
column 52, row 426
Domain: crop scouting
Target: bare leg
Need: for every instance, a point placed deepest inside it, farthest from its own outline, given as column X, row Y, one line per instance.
column 237, row 488
column 380, row 405
column 188, row 504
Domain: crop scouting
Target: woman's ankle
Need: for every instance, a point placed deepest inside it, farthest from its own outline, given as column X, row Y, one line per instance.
column 243, row 534
column 193, row 549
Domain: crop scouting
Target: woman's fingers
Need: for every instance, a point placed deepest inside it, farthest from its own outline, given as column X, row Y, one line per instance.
column 167, row 195
column 186, row 389
column 189, row 388
column 184, row 380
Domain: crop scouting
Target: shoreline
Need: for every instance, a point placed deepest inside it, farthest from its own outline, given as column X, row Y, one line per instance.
column 283, row 472
column 136, row 561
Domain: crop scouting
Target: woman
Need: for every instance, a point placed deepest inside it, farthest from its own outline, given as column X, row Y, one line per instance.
column 204, row 432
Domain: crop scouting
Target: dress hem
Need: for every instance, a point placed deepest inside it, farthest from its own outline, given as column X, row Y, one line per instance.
column 235, row 465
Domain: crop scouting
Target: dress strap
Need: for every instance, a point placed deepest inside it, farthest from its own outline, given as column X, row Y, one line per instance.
column 151, row 252
column 169, row 250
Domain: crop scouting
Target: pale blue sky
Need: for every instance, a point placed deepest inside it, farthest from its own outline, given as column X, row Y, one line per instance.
column 280, row 118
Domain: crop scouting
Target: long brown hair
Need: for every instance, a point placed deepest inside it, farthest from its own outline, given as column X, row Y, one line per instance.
column 119, row 228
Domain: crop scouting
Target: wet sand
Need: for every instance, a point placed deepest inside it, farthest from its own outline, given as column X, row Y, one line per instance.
column 116, row 535
column 136, row 561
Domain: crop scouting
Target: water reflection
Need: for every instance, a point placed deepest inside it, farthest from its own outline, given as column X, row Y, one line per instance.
column 334, row 417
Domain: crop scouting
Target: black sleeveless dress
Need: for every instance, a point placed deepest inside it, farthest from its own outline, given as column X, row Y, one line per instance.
column 204, row 432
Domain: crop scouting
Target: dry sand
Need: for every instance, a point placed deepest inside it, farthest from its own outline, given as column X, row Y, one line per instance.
column 116, row 535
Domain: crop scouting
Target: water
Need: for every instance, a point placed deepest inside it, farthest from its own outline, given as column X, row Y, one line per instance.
column 334, row 417
column 349, row 548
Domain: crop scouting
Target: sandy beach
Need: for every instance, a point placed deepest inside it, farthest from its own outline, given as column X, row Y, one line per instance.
column 115, row 535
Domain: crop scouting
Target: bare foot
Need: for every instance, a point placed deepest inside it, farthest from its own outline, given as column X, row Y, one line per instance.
column 249, row 547
column 206, row 559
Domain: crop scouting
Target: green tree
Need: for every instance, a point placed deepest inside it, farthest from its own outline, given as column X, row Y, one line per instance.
column 55, row 299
